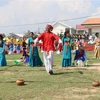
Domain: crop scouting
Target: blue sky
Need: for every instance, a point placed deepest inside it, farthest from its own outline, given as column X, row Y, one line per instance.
column 3, row 2
column 18, row 12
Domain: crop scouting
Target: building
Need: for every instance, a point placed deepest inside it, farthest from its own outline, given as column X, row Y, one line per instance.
column 80, row 29
column 92, row 24
column 59, row 28
column 12, row 35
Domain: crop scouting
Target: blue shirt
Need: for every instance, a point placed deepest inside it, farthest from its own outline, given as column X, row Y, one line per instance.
column 18, row 47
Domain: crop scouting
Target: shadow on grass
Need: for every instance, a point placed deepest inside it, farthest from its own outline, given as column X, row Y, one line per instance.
column 94, row 65
column 70, row 74
column 54, row 82
column 13, row 82
column 7, row 68
column 60, row 73
column 37, row 81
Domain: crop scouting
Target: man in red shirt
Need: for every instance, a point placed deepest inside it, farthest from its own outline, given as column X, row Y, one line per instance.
column 48, row 47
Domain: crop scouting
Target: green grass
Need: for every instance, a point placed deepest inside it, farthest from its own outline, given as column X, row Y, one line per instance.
column 65, row 84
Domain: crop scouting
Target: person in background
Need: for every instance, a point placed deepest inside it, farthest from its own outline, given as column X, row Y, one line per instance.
column 97, row 46
column 26, row 57
column 80, row 54
column 6, row 47
column 30, row 41
column 73, row 46
column 2, row 52
column 90, row 39
column 24, row 43
column 18, row 48
column 23, row 46
column 11, row 48
column 79, row 38
column 48, row 38
column 14, row 48
column 34, row 59
column 11, row 41
column 66, row 56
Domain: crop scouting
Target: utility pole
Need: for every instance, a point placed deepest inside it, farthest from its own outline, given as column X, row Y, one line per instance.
column 38, row 30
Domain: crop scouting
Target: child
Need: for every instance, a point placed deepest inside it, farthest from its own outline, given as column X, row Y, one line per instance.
column 25, row 57
column 80, row 54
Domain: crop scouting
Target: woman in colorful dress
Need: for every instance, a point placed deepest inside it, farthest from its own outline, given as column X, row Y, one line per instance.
column 66, row 53
column 97, row 46
column 34, row 59
column 2, row 52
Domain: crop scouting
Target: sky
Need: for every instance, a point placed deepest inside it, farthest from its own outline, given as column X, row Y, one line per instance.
column 18, row 16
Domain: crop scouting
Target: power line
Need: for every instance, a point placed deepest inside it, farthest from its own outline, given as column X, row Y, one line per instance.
column 50, row 21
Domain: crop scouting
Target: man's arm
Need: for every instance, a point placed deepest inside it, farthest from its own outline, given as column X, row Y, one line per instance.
column 57, row 38
column 59, row 41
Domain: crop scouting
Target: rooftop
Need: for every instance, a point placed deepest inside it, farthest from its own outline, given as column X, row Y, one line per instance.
column 80, row 27
column 92, row 21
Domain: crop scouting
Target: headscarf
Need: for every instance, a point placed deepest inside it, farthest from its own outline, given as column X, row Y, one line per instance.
column 50, row 26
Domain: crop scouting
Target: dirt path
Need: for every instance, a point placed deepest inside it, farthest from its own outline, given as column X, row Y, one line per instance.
column 95, row 66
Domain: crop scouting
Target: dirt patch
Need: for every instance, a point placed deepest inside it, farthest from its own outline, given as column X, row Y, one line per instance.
column 7, row 73
column 95, row 66
column 89, row 90
column 76, row 93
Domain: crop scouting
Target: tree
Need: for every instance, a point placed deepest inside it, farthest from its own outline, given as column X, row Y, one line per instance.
column 61, row 34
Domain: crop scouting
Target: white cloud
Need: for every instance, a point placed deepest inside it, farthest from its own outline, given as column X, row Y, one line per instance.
column 17, row 12
column 28, row 11
column 97, row 12
column 80, row 6
column 20, row 11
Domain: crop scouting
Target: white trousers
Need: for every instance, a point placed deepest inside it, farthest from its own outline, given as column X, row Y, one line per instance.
column 18, row 51
column 10, row 52
column 48, row 60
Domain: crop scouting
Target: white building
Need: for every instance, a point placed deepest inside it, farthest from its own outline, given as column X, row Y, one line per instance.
column 59, row 28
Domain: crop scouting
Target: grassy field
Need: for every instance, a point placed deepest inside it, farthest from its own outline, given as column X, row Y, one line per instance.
column 66, row 84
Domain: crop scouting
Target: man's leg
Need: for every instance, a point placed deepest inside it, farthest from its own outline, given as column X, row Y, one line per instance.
column 45, row 61
column 50, row 62
column 52, row 58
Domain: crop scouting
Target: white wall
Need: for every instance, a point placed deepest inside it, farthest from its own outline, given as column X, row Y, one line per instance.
column 58, row 28
column 95, row 30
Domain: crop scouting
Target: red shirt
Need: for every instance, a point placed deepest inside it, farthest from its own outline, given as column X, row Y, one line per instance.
column 48, row 40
